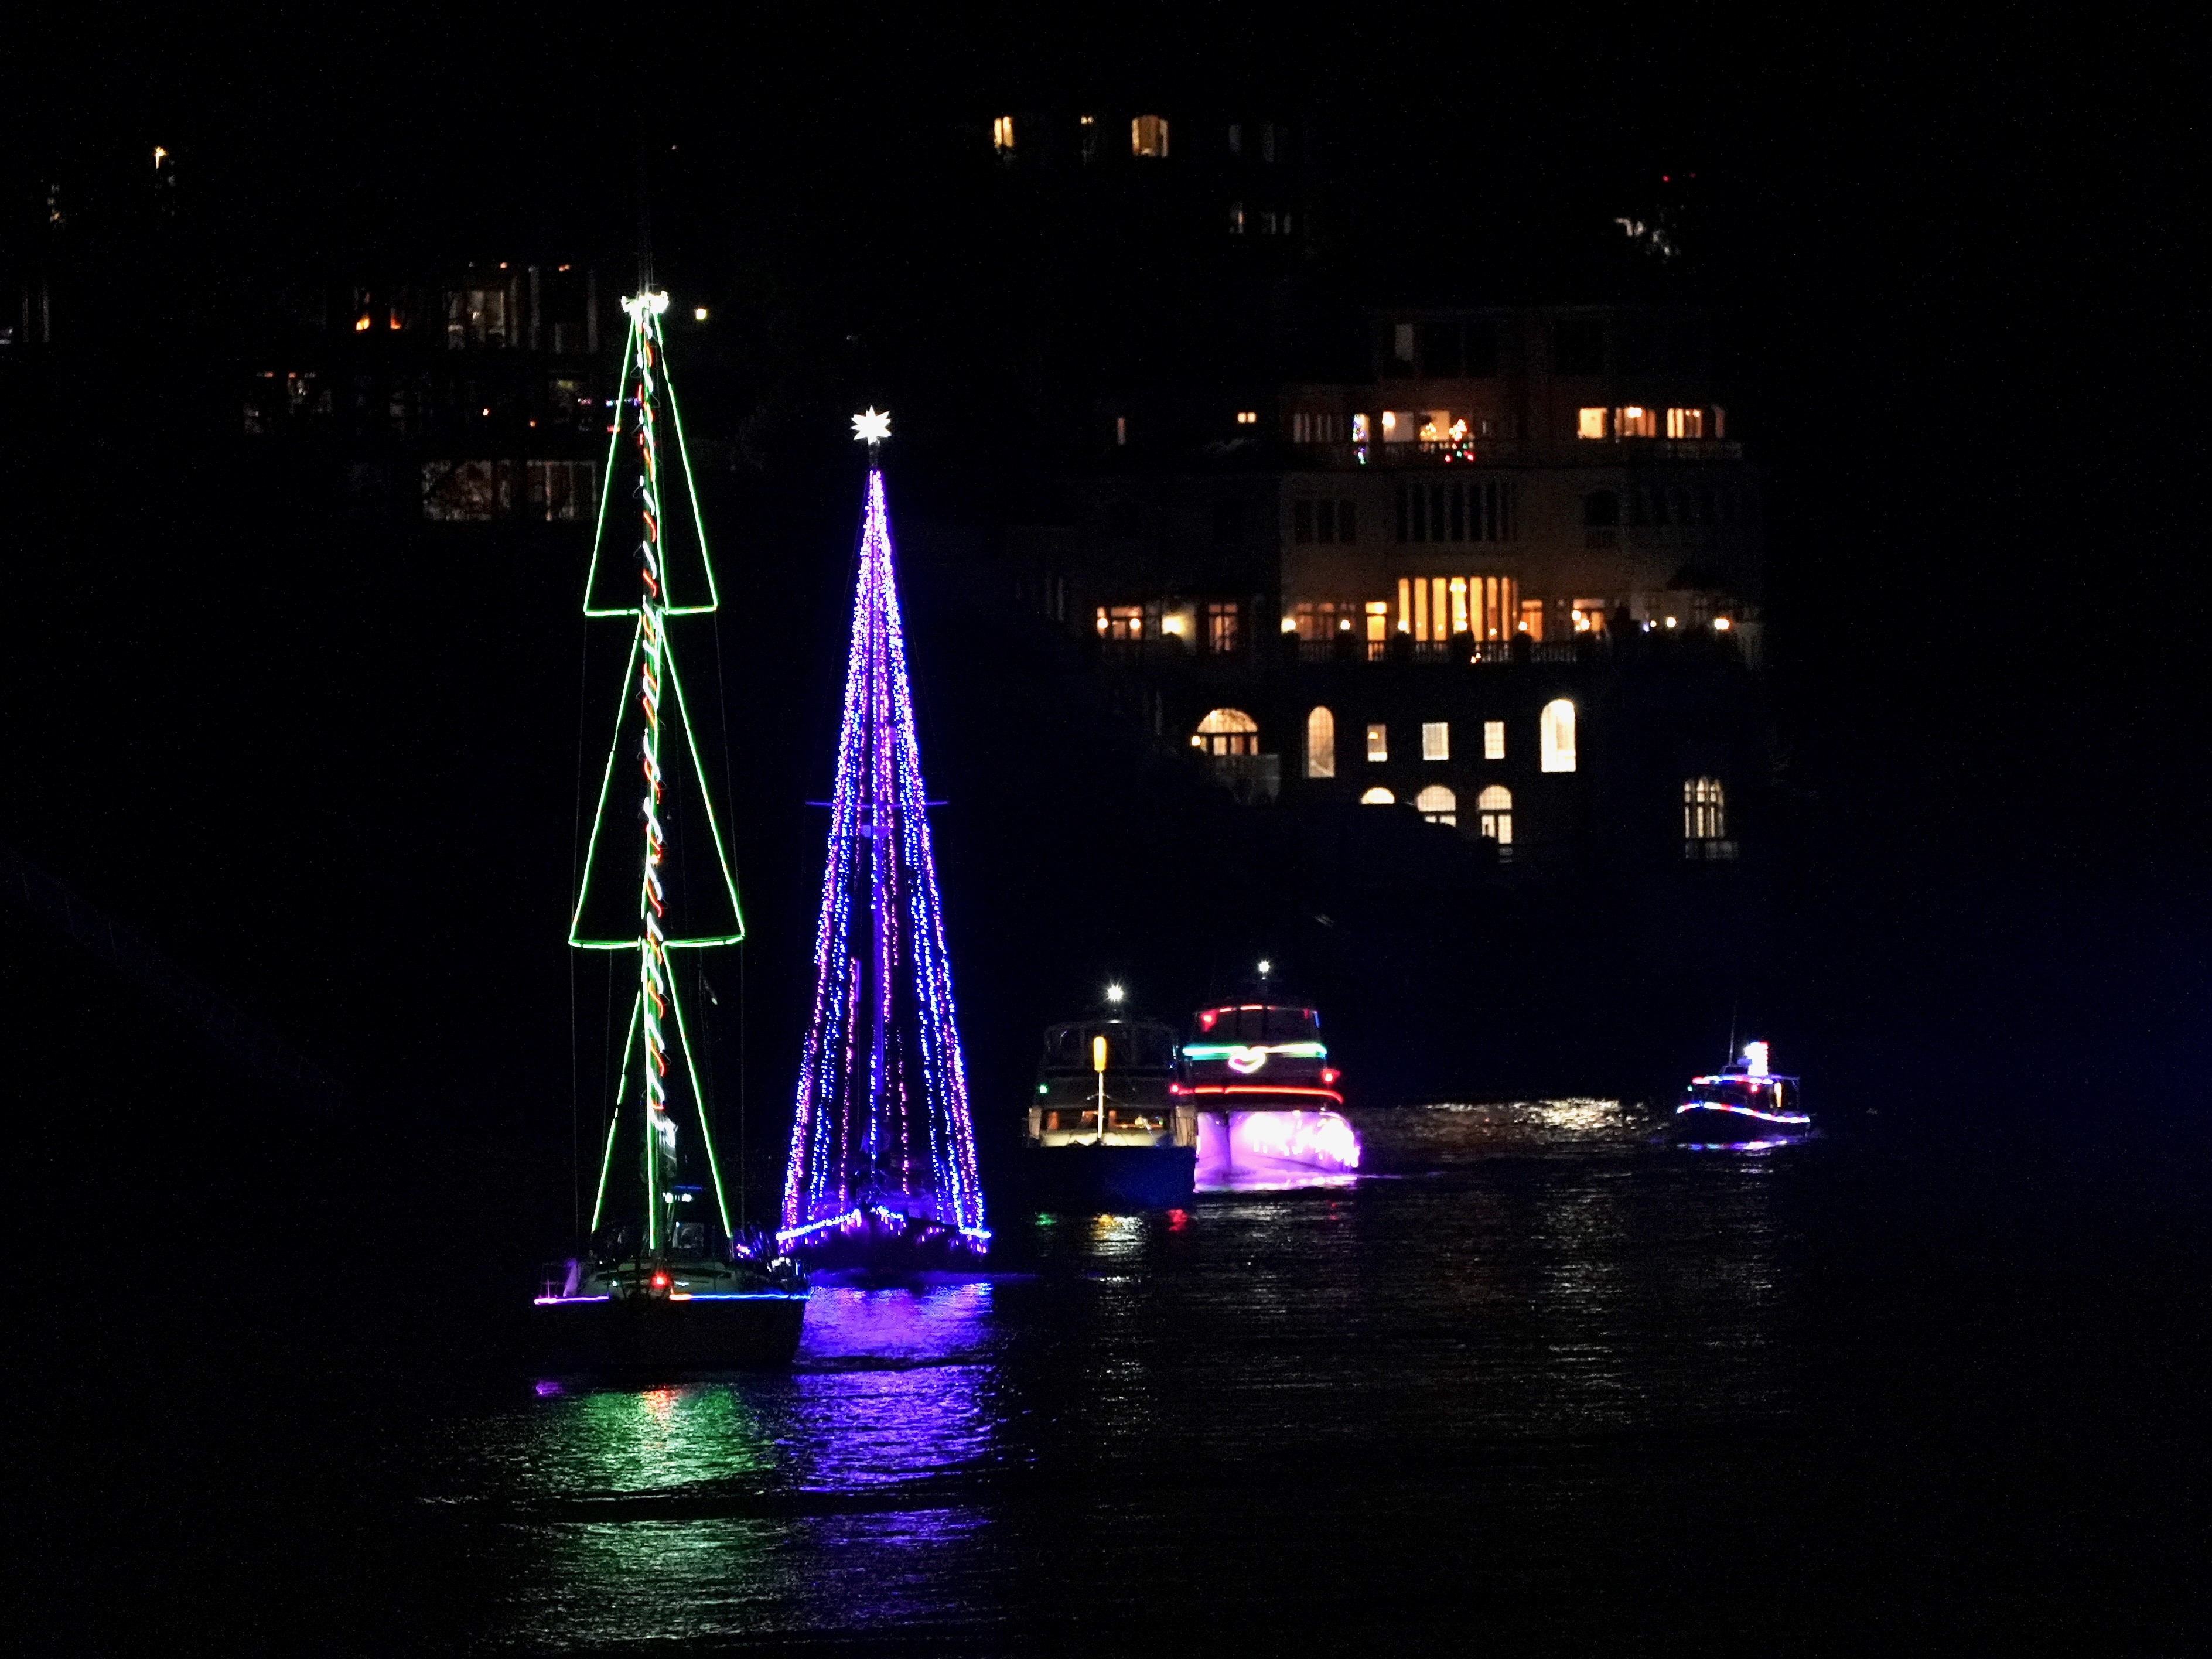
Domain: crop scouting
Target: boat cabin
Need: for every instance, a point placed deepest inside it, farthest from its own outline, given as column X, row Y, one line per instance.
column 1258, row 1048
column 1123, row 1073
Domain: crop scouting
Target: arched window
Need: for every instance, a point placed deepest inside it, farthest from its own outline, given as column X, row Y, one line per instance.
column 1227, row 731
column 1494, row 808
column 1321, row 744
column 1555, row 736
column 1704, row 809
column 1437, row 805
column 1378, row 797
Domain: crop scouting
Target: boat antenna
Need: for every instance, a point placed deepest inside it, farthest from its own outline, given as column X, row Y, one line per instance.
column 644, row 222
column 1735, row 1002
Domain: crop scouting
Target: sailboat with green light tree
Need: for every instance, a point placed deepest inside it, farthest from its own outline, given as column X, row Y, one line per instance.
column 667, row 1276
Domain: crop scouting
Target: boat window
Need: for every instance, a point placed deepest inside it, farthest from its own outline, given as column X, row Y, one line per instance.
column 1147, row 1047
column 1256, row 1024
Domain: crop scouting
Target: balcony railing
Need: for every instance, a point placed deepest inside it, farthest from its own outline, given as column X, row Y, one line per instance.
column 1507, row 452
column 1254, row 780
column 1445, row 652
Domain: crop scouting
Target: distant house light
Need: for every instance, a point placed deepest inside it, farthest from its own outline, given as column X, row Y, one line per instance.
column 1121, row 431
column 1633, row 420
column 1002, row 134
column 360, row 323
column 1248, row 417
column 1721, row 624
column 1148, row 137
column 1589, row 423
column 1555, row 735
column 1378, row 797
column 160, row 156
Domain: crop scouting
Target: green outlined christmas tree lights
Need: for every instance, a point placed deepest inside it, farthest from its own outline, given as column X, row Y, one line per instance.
column 656, row 876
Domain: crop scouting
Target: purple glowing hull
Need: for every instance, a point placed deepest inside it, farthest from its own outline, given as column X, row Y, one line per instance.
column 645, row 1336
column 1271, row 1148
column 1095, row 1179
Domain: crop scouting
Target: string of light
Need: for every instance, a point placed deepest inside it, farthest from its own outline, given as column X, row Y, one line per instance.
column 881, row 1126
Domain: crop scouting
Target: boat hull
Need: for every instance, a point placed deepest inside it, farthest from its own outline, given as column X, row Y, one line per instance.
column 1709, row 1126
column 1272, row 1141
column 648, row 1336
column 1098, row 1180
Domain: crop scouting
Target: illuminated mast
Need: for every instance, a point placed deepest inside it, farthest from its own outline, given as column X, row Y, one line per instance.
column 652, row 713
column 881, row 1139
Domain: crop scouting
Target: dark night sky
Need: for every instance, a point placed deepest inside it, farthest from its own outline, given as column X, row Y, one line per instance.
column 1953, row 257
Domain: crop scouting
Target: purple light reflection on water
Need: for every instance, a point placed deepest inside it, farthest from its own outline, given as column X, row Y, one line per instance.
column 942, row 1324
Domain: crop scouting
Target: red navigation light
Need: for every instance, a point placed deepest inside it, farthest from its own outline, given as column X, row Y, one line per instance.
column 660, row 1281
column 1329, row 1074
column 1206, row 1016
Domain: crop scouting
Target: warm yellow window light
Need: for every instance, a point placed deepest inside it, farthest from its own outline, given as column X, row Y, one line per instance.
column 1555, row 734
column 1002, row 133
column 1589, row 423
column 1148, row 137
column 1321, row 744
column 1378, row 797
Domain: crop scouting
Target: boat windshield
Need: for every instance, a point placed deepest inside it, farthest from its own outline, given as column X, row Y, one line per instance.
column 1255, row 1023
column 1131, row 1045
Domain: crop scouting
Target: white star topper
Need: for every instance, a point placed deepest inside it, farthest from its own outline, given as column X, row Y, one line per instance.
column 873, row 427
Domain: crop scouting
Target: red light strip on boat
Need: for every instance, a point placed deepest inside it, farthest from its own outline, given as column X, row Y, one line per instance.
column 1263, row 1089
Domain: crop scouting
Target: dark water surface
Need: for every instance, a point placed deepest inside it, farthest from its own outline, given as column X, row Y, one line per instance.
column 1529, row 1383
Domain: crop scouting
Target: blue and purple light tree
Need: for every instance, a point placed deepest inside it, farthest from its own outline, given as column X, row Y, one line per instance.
column 883, row 1150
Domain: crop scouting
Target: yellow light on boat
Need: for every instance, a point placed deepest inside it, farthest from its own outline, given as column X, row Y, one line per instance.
column 1098, row 1053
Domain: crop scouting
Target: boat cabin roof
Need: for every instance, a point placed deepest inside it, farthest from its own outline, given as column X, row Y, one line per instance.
column 1138, row 1044
column 1256, row 1022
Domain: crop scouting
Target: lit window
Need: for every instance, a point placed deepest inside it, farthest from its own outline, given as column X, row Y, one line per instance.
column 1321, row 744
column 1589, row 423
column 1148, row 137
column 1436, row 740
column 1635, row 422
column 1002, row 134
column 1221, row 628
column 1493, row 739
column 1227, row 731
column 1087, row 128
column 1704, row 812
column 1685, row 422
column 1378, row 628
column 1494, row 815
column 1555, row 735
column 1236, row 218
column 1378, row 797
column 1248, row 417
column 1378, row 743
column 1360, row 428
column 1121, row 431
column 1122, row 622
column 1437, row 805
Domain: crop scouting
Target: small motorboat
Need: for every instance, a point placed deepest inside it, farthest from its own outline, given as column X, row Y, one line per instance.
column 1110, row 1128
column 1745, row 1103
